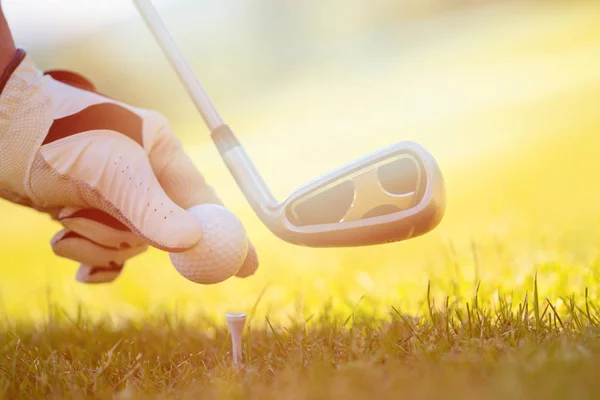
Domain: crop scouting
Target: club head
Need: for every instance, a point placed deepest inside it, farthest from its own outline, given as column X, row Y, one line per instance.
column 393, row 194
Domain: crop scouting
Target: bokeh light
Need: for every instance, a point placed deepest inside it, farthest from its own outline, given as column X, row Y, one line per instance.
column 505, row 95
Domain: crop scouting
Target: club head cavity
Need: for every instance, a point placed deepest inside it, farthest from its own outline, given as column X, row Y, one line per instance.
column 393, row 194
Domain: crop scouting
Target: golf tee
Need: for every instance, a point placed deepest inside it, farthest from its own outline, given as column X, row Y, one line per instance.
column 236, row 323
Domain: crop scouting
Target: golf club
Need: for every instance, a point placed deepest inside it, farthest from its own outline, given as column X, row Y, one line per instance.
column 393, row 194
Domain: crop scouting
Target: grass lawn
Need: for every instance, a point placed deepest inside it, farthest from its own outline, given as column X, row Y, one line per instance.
column 520, row 349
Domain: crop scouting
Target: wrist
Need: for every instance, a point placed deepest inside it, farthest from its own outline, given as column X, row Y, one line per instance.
column 7, row 53
column 7, row 43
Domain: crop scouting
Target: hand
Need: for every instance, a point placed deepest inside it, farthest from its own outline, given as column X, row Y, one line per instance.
column 115, row 176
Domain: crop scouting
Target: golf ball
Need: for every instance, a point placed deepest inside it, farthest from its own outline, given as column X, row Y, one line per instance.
column 220, row 253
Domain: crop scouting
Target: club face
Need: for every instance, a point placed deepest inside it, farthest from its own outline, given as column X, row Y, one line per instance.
column 390, row 195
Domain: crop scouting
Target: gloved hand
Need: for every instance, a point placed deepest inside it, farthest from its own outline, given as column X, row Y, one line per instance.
column 115, row 176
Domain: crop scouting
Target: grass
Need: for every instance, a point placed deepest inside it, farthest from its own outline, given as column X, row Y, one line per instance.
column 516, row 348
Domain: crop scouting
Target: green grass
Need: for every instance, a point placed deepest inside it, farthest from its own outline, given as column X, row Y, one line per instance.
column 526, row 348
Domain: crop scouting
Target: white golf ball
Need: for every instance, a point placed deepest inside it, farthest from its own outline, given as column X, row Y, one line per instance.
column 221, row 251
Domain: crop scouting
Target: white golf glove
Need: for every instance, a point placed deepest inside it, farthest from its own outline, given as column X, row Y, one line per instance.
column 115, row 176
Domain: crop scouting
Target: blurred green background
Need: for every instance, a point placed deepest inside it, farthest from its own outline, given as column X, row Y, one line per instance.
column 504, row 94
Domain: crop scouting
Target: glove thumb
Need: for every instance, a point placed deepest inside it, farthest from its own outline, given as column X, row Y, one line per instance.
column 112, row 173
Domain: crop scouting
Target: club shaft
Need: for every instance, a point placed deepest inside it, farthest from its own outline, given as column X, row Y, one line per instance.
column 238, row 162
column 180, row 64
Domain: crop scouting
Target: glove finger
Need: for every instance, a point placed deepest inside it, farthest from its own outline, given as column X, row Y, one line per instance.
column 250, row 264
column 73, row 246
column 99, row 227
column 175, row 171
column 97, row 274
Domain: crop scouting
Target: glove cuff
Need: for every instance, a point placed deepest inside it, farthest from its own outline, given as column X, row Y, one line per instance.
column 25, row 117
